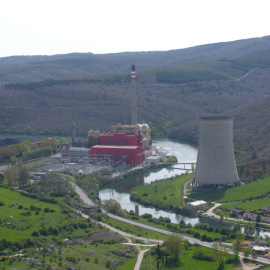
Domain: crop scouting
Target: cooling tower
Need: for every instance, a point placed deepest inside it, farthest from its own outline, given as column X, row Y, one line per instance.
column 215, row 166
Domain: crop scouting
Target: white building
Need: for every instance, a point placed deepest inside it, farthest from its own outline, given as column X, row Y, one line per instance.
column 197, row 205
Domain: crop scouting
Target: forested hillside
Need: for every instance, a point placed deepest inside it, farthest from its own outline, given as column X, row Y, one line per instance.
column 171, row 95
column 37, row 68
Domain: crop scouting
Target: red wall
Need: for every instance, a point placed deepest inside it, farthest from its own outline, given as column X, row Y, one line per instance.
column 134, row 155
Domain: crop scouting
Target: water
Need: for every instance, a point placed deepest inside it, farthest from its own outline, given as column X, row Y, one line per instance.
column 185, row 153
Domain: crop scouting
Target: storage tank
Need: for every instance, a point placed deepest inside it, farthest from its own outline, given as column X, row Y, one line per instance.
column 216, row 167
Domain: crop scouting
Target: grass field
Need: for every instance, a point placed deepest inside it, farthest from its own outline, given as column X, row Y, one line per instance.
column 249, row 206
column 20, row 215
column 187, row 261
column 81, row 256
column 19, row 220
column 253, row 190
column 135, row 230
column 167, row 192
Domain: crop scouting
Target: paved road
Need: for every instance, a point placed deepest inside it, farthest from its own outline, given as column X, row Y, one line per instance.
column 210, row 213
column 82, row 195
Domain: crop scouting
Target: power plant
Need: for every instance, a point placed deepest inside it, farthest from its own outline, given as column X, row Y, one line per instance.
column 129, row 144
column 216, row 167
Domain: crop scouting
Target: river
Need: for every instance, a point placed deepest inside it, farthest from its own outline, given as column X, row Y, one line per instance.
column 185, row 153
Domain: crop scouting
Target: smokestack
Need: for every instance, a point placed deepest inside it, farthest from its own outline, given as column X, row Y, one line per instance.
column 134, row 106
column 73, row 133
column 215, row 166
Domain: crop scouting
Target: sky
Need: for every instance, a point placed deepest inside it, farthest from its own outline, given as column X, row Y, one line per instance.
column 48, row 27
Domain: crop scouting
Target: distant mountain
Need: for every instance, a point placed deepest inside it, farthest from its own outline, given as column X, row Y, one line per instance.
column 45, row 94
column 25, row 69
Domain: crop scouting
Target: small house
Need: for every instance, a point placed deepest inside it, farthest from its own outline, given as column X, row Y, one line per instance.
column 265, row 209
column 197, row 205
column 237, row 212
column 250, row 216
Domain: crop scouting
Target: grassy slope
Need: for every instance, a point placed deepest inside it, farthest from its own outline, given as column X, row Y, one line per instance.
column 173, row 193
column 21, row 226
column 9, row 213
column 249, row 206
column 187, row 262
column 255, row 189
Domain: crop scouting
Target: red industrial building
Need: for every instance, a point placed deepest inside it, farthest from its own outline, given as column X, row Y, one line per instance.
column 125, row 143
column 132, row 155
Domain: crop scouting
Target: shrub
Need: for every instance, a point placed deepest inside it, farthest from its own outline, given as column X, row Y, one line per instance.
column 198, row 255
column 230, row 260
column 2, row 203
column 35, row 233
column 146, row 215
column 109, row 264
column 225, row 231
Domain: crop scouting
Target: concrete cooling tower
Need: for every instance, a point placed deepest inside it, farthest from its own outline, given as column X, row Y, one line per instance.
column 215, row 166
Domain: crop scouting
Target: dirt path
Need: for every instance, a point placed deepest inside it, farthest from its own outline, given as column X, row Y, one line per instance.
column 139, row 260
column 250, row 266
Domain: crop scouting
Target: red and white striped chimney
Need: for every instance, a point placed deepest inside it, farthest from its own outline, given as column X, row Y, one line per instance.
column 134, row 106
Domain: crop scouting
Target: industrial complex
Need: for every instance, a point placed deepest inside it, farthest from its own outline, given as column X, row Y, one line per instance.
column 124, row 144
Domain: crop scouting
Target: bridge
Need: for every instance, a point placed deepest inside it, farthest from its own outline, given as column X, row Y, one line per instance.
column 184, row 164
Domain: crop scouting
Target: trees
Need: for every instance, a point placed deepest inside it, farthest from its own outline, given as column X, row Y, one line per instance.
column 238, row 244
column 249, row 229
column 23, row 175
column 11, row 174
column 114, row 207
column 219, row 253
column 247, row 252
column 174, row 245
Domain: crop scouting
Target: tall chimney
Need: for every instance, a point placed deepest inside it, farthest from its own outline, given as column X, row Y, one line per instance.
column 134, row 106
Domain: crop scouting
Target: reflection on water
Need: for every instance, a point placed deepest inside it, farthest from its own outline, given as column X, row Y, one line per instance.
column 120, row 191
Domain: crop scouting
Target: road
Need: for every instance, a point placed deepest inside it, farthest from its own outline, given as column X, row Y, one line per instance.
column 210, row 211
column 86, row 200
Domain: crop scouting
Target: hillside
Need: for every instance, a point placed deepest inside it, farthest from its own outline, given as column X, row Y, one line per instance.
column 37, row 68
column 251, row 137
column 167, row 96
column 178, row 95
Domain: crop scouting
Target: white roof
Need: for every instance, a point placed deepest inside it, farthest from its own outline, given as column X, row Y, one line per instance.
column 197, row 203
column 153, row 157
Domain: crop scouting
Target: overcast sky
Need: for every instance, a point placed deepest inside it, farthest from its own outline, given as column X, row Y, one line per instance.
column 47, row 27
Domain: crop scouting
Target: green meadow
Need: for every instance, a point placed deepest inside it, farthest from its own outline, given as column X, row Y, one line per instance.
column 254, row 190
column 164, row 192
column 187, row 261
column 21, row 216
